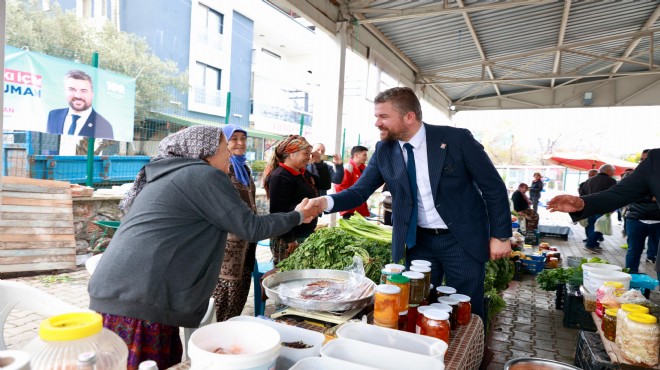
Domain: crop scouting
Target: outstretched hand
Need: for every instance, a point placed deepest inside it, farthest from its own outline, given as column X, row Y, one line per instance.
column 565, row 203
column 309, row 210
column 336, row 159
column 319, row 204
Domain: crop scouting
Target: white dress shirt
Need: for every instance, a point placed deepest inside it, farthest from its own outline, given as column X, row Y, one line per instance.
column 81, row 121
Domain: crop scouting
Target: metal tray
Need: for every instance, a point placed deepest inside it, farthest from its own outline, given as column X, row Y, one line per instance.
column 282, row 287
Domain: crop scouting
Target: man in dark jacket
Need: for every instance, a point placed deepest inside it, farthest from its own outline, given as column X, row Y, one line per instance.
column 336, row 170
column 521, row 206
column 596, row 184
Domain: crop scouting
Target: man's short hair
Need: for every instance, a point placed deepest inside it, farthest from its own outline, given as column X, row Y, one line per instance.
column 592, row 172
column 403, row 99
column 522, row 184
column 645, row 151
column 358, row 149
column 606, row 168
column 77, row 74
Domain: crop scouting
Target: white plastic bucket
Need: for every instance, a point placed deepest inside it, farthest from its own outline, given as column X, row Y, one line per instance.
column 327, row 363
column 415, row 343
column 588, row 268
column 288, row 333
column 598, row 277
column 259, row 346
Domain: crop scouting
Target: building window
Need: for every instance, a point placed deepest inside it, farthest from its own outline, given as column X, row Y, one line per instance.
column 207, row 76
column 211, row 19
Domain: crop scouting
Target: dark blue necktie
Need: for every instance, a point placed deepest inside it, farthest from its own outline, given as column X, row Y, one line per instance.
column 74, row 119
column 411, row 235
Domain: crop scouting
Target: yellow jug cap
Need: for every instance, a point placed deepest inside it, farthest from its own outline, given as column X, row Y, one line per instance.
column 642, row 317
column 70, row 326
column 631, row 307
column 611, row 311
column 614, row 284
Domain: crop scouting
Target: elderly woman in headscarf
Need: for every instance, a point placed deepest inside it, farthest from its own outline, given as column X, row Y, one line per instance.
column 287, row 183
column 162, row 264
column 235, row 273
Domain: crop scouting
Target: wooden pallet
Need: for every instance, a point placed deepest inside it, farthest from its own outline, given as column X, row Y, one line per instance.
column 36, row 225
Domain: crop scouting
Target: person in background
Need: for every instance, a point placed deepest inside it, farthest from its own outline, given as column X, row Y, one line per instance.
column 643, row 182
column 602, row 181
column 521, row 205
column 591, row 173
column 535, row 191
column 352, row 173
column 233, row 286
column 449, row 203
column 642, row 223
column 336, row 170
column 287, row 183
column 162, row 264
column 621, row 212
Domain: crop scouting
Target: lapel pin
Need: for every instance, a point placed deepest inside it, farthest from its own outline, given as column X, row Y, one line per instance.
column 443, row 146
column 90, row 125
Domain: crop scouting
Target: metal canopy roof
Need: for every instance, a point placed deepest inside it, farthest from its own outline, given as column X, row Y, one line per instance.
column 476, row 54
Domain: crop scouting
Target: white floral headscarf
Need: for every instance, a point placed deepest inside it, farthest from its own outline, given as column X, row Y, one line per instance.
column 193, row 142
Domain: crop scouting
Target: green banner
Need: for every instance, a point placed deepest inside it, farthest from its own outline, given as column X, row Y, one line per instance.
column 48, row 94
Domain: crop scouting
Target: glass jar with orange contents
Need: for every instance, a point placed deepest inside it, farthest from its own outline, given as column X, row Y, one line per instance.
column 453, row 317
column 464, row 308
column 404, row 284
column 435, row 323
column 420, row 316
column 386, row 306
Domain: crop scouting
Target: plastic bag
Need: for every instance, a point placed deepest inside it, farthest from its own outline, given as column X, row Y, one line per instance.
column 604, row 224
column 583, row 222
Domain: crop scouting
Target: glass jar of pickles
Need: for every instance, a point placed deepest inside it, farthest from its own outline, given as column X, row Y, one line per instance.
column 435, row 324
column 608, row 324
column 386, row 306
column 453, row 317
column 416, row 287
column 464, row 308
column 404, row 285
column 426, row 270
column 445, row 291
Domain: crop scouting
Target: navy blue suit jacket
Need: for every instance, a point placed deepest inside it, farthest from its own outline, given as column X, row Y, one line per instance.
column 96, row 126
column 469, row 193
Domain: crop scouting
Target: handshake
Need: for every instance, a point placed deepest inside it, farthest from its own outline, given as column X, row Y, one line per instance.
column 311, row 208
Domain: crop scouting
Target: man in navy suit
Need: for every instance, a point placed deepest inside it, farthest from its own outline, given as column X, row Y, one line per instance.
column 80, row 119
column 462, row 209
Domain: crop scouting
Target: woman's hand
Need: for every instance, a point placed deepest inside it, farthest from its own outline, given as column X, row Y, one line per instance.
column 291, row 247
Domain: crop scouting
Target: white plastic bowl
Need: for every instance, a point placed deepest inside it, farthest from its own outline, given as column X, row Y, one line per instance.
column 327, row 363
column 598, row 277
column 588, row 268
column 383, row 358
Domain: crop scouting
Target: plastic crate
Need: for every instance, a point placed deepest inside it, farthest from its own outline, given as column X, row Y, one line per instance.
column 532, row 266
column 590, row 353
column 575, row 316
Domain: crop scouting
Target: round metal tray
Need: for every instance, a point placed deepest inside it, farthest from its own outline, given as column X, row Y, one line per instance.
column 281, row 287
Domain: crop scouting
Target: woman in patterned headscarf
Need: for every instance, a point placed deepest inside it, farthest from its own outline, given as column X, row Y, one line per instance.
column 287, row 183
column 236, row 271
column 162, row 264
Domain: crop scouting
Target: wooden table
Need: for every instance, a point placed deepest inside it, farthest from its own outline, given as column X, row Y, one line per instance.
column 616, row 356
column 466, row 348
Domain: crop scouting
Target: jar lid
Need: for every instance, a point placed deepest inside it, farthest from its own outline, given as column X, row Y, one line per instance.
column 422, row 309
column 446, row 289
column 643, row 318
column 460, row 297
column 435, row 314
column 403, row 313
column 413, row 275
column 388, row 289
column 398, row 279
column 614, row 284
column 448, row 300
column 395, row 266
column 420, row 268
column 389, row 271
column 420, row 263
column 631, row 307
column 442, row 307
column 611, row 311
column 70, row 326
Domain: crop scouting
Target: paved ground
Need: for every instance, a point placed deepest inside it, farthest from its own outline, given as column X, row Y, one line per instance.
column 529, row 326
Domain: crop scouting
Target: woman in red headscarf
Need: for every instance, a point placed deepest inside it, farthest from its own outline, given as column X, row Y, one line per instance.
column 287, row 182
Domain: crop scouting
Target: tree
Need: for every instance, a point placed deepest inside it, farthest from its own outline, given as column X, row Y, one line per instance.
column 62, row 34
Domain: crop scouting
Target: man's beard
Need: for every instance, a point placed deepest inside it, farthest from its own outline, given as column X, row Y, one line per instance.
column 84, row 107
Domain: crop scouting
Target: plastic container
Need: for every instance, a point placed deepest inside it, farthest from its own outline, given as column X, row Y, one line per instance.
column 598, row 277
column 257, row 344
column 327, row 363
column 64, row 337
column 384, row 358
column 621, row 315
column 587, row 268
column 399, row 340
column 589, row 300
column 640, row 339
column 289, row 356
column 610, row 290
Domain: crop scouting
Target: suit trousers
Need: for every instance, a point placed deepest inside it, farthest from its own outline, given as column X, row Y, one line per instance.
column 453, row 264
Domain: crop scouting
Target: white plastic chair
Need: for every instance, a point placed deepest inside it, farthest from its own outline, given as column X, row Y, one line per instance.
column 24, row 297
column 92, row 262
column 208, row 318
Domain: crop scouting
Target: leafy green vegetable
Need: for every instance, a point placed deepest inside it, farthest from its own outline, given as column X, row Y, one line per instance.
column 359, row 226
column 549, row 278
